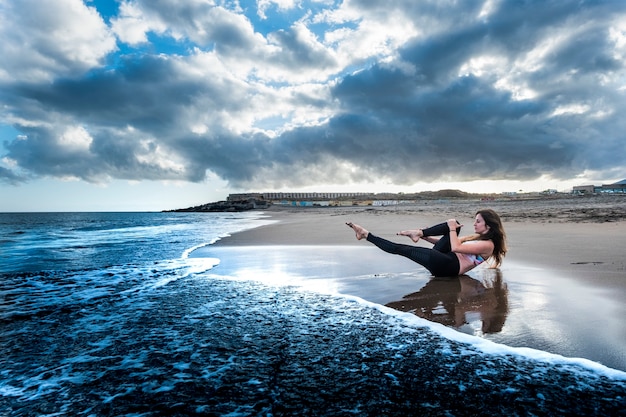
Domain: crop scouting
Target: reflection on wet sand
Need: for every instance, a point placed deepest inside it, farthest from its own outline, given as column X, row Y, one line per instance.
column 475, row 306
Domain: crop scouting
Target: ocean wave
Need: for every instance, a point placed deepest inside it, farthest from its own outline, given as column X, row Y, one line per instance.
column 223, row 345
column 26, row 296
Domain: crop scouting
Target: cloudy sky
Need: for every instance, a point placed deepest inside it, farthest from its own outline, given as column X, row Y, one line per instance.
column 159, row 104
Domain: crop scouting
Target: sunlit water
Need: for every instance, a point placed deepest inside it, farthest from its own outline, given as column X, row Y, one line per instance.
column 107, row 314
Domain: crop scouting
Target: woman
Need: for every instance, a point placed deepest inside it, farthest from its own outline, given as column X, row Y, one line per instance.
column 450, row 255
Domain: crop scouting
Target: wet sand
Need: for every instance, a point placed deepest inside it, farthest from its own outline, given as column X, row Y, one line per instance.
column 561, row 288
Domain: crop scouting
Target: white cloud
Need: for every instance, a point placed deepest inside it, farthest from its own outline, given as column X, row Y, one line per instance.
column 201, row 22
column 617, row 35
column 247, row 104
column 75, row 138
column 154, row 155
column 281, row 5
column 131, row 26
column 483, row 65
column 11, row 163
column 46, row 39
column 368, row 35
column 488, row 8
column 571, row 109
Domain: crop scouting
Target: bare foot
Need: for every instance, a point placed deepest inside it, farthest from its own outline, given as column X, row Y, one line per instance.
column 361, row 233
column 413, row 234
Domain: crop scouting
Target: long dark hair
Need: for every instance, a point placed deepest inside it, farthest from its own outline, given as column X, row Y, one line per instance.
column 496, row 234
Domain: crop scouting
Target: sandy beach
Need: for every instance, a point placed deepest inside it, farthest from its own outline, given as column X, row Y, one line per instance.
column 561, row 288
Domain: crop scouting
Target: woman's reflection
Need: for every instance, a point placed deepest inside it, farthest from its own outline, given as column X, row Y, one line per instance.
column 475, row 306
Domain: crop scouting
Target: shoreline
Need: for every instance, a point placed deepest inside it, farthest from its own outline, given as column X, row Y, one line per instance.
column 565, row 282
column 581, row 233
column 557, row 240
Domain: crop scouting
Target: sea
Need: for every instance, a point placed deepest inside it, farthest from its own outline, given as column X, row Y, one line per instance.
column 109, row 314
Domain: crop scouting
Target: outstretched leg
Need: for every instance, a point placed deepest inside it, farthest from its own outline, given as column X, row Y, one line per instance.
column 437, row 263
column 415, row 253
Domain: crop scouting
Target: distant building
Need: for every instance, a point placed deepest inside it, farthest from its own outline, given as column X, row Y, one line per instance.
column 617, row 188
column 309, row 196
column 584, row 189
column 244, row 197
column 287, row 196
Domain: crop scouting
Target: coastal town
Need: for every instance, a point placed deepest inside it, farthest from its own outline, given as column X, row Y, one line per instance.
column 261, row 201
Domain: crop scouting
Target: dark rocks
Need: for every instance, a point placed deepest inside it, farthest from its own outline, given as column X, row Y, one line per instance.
column 227, row 206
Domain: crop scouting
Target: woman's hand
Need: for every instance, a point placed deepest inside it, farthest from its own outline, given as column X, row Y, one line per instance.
column 453, row 224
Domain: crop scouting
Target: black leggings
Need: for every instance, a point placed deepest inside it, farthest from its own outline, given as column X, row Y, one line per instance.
column 440, row 260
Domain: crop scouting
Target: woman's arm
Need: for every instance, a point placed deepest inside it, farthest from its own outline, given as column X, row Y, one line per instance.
column 455, row 242
column 474, row 247
column 431, row 239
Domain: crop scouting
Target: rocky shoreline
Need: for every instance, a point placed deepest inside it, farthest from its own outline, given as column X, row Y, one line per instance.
column 225, row 206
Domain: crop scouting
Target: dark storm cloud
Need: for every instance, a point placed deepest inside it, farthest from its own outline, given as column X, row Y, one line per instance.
column 467, row 129
column 107, row 157
column 9, row 177
column 144, row 92
column 422, row 114
column 439, row 124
